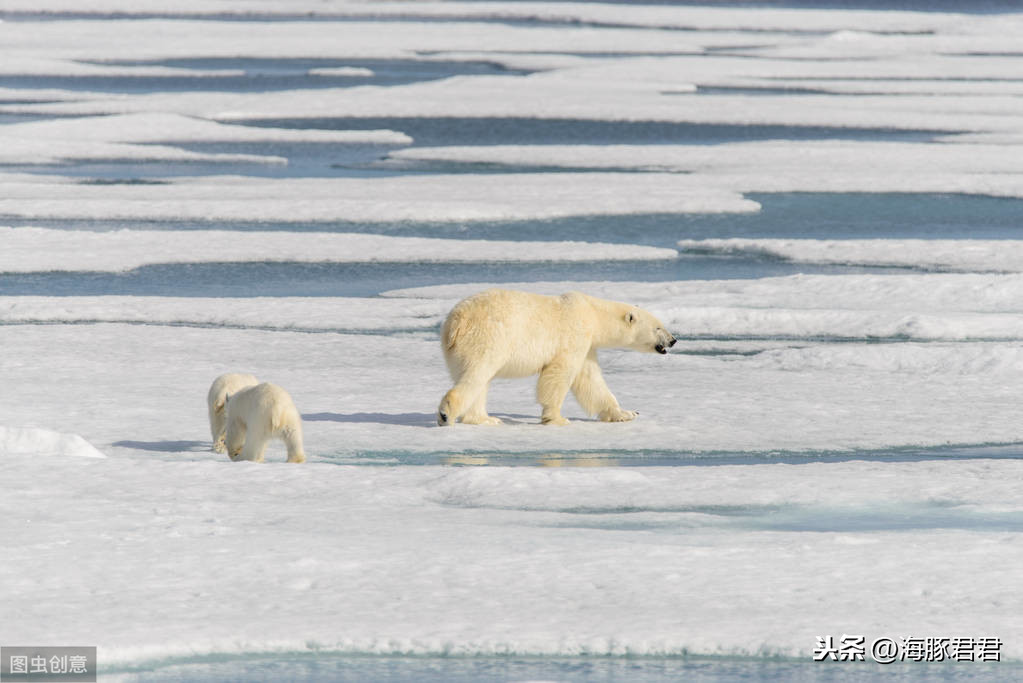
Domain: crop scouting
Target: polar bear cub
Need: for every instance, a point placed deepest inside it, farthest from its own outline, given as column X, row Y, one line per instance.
column 257, row 414
column 228, row 383
column 503, row 333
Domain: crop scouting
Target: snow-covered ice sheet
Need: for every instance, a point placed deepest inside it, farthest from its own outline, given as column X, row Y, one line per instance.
column 731, row 158
column 704, row 18
column 603, row 88
column 515, row 196
column 134, row 138
column 966, row 255
column 163, row 128
column 607, row 561
column 804, row 398
column 43, row 249
column 930, row 292
column 317, row 559
column 35, row 152
column 36, row 442
column 934, row 307
column 861, row 166
column 321, row 314
column 161, row 39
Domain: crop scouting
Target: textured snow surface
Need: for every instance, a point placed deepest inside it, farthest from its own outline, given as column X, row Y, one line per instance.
column 42, row 442
column 665, row 561
column 410, row 198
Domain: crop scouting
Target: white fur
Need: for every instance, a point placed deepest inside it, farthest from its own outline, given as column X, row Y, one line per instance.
column 228, row 383
column 260, row 413
column 502, row 333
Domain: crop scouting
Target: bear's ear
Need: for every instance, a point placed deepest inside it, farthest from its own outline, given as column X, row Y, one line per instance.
column 630, row 318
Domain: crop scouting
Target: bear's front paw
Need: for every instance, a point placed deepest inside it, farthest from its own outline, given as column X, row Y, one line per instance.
column 553, row 420
column 618, row 415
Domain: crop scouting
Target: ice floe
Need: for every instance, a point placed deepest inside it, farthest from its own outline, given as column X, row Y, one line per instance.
column 769, row 166
column 385, row 561
column 43, row 249
column 515, row 196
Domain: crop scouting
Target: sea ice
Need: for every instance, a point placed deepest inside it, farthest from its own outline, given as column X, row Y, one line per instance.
column 42, row 249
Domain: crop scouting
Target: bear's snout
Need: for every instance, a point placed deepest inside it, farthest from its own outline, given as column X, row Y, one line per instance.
column 662, row 347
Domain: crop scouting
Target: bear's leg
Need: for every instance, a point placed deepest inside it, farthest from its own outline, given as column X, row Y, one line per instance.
column 477, row 412
column 552, row 387
column 235, row 438
column 593, row 394
column 293, row 440
column 463, row 395
column 218, row 427
column 255, row 444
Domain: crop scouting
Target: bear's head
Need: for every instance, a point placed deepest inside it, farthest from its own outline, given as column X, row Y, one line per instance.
column 644, row 332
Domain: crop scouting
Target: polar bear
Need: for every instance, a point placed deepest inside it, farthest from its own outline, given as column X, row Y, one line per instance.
column 503, row 333
column 227, row 383
column 260, row 413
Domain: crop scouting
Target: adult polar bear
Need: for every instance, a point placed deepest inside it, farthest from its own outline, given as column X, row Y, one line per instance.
column 503, row 333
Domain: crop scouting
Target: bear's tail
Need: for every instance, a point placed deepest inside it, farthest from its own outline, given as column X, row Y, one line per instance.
column 451, row 331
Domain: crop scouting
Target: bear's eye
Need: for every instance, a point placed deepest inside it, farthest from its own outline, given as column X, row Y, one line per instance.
column 630, row 318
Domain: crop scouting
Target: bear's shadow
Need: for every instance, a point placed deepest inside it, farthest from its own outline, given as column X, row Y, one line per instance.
column 404, row 419
column 164, row 446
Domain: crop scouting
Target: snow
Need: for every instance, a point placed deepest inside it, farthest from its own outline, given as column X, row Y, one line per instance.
column 321, row 314
column 515, row 196
column 42, row 442
column 932, row 292
column 371, row 556
column 161, row 127
column 691, row 404
column 599, row 563
column 940, row 307
column 43, row 249
column 132, row 137
column 842, row 25
column 852, row 166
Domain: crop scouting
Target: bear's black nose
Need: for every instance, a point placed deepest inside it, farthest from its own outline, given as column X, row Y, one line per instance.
column 672, row 342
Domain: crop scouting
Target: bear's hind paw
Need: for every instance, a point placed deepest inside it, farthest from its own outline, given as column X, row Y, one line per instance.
column 485, row 420
column 618, row 415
